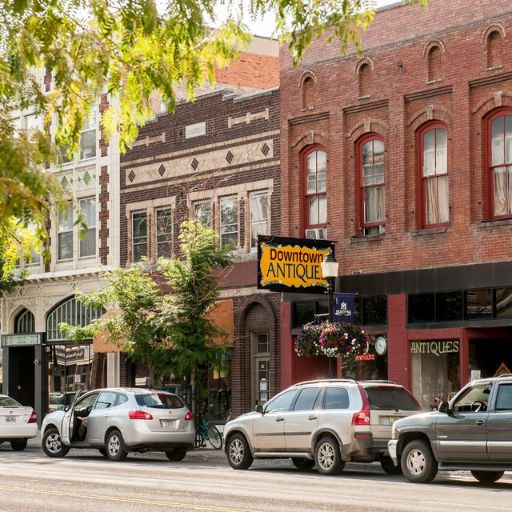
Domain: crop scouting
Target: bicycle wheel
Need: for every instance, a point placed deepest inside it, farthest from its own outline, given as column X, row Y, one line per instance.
column 199, row 440
column 215, row 437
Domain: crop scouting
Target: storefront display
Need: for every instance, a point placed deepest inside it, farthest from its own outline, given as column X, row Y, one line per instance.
column 435, row 371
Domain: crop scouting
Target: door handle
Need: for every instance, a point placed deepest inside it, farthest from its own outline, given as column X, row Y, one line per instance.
column 280, row 418
column 313, row 417
column 480, row 422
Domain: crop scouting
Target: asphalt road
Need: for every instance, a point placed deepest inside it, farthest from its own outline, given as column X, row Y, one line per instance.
column 84, row 481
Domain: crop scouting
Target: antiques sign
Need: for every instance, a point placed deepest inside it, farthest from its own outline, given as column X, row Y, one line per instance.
column 292, row 264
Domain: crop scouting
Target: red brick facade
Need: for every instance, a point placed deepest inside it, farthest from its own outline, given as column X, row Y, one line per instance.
column 222, row 145
column 449, row 64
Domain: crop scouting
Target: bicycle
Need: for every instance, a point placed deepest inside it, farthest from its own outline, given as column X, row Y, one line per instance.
column 206, row 432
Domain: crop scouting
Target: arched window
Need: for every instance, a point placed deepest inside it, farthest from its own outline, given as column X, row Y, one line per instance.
column 434, row 63
column 494, row 49
column 372, row 199
column 364, row 80
column 24, row 322
column 315, row 200
column 307, row 92
column 433, row 189
column 499, row 147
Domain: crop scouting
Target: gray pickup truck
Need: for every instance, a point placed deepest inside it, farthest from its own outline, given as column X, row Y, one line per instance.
column 472, row 432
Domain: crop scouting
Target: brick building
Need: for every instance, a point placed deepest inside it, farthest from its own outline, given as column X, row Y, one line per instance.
column 403, row 156
column 216, row 160
column 40, row 364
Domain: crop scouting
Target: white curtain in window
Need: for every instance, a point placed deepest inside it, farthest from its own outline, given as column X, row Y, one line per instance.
column 374, row 204
column 259, row 216
column 436, row 200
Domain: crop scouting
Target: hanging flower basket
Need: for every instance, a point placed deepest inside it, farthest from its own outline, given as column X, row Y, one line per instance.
column 332, row 340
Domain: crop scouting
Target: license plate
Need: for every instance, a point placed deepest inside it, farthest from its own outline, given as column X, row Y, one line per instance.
column 170, row 423
column 10, row 419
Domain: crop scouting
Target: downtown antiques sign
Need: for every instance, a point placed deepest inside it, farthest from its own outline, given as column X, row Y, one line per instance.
column 292, row 264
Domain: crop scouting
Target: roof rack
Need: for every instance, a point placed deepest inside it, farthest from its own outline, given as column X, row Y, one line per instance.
column 323, row 380
column 504, row 375
column 378, row 381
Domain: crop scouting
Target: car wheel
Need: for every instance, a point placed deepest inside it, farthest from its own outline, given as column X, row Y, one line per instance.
column 487, row 477
column 176, row 455
column 53, row 445
column 238, row 452
column 303, row 464
column 103, row 452
column 328, row 456
column 389, row 468
column 19, row 445
column 116, row 449
column 418, row 462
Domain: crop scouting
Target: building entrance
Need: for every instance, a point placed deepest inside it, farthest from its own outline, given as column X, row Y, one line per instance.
column 21, row 375
column 489, row 357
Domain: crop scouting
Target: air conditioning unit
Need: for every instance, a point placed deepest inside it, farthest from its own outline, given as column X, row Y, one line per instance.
column 316, row 234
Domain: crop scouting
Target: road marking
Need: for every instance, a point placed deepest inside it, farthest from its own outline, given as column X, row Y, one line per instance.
column 139, row 501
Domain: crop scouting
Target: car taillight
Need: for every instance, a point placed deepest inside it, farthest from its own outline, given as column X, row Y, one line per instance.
column 140, row 415
column 189, row 416
column 363, row 416
column 33, row 417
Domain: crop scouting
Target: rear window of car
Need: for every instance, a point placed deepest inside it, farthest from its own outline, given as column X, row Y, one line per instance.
column 391, row 398
column 159, row 401
column 5, row 401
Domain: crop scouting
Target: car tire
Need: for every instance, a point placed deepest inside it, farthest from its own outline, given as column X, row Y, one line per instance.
column 303, row 464
column 388, row 467
column 115, row 447
column 418, row 462
column 103, row 452
column 487, row 477
column 238, row 452
column 53, row 445
column 19, row 445
column 328, row 457
column 176, row 455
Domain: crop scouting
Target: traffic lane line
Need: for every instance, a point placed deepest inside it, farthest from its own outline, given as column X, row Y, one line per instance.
column 132, row 501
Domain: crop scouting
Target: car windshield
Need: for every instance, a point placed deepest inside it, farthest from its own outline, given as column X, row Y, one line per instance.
column 391, row 398
column 6, row 401
column 159, row 401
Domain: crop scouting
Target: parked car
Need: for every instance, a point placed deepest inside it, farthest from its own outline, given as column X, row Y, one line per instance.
column 322, row 422
column 120, row 420
column 59, row 401
column 18, row 424
column 472, row 432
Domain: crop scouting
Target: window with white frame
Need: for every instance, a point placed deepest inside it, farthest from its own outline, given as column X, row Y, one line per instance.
column 65, row 233
column 139, row 235
column 258, row 209
column 163, row 233
column 88, row 137
column 88, row 236
column 202, row 211
column 229, row 221
column 34, row 122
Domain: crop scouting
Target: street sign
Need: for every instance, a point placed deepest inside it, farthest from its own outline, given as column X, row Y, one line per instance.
column 292, row 264
column 21, row 340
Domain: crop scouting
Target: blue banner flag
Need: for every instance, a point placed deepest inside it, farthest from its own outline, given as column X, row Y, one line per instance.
column 344, row 307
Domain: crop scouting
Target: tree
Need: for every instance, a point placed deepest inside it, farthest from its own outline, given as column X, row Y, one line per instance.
column 169, row 332
column 130, row 49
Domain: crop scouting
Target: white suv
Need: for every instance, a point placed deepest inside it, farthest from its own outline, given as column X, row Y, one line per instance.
column 322, row 422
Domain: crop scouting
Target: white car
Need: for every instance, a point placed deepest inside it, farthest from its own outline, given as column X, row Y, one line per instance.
column 18, row 424
column 119, row 420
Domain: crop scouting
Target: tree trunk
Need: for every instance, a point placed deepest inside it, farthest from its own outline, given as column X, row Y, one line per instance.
column 193, row 386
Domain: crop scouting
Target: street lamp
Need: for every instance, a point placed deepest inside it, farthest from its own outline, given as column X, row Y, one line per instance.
column 330, row 272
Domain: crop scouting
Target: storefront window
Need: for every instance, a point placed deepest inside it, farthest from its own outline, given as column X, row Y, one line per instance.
column 421, row 308
column 435, row 371
column 503, row 298
column 449, row 306
column 372, row 365
column 479, row 303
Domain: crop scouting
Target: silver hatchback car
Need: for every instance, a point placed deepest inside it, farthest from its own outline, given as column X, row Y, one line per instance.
column 120, row 420
column 324, row 422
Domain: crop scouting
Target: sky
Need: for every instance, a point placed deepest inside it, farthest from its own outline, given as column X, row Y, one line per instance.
column 265, row 26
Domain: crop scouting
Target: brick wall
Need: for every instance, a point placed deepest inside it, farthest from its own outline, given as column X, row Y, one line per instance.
column 251, row 70
column 399, row 99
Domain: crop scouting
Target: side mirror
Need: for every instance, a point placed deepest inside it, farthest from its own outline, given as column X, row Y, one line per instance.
column 259, row 408
column 444, row 407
